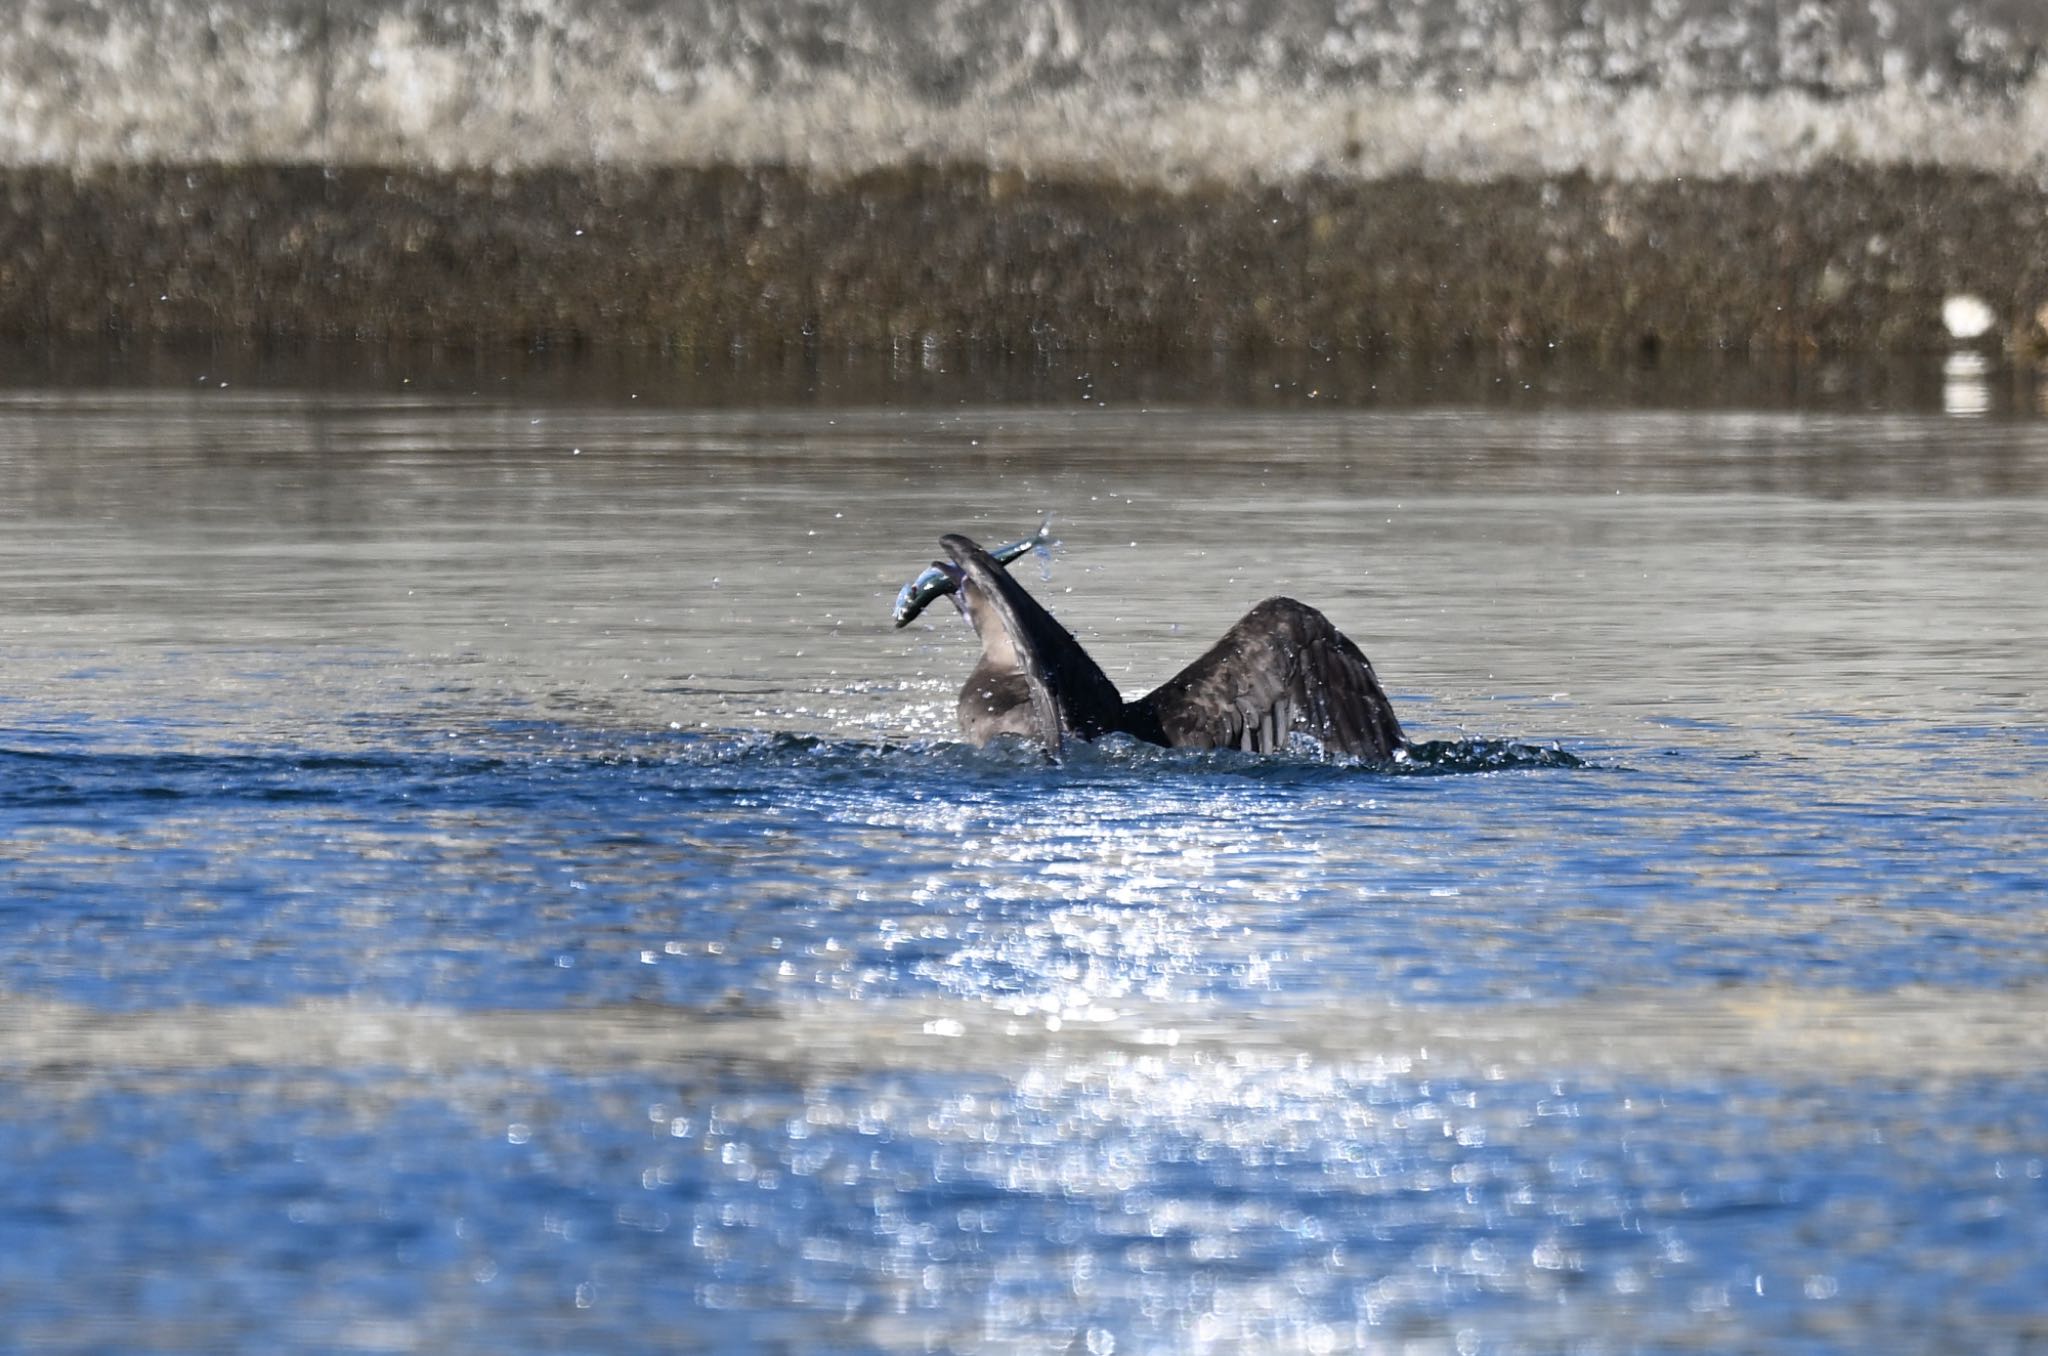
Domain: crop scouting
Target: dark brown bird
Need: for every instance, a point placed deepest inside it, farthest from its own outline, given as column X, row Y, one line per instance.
column 1282, row 668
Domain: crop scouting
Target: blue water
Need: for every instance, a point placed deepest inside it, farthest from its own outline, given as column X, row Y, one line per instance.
column 485, row 875
column 744, row 1211
column 532, row 864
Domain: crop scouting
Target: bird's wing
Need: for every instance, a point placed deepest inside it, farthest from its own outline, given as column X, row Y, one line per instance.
column 1283, row 667
column 1068, row 690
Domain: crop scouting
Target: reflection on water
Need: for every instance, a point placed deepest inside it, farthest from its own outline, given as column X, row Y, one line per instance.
column 1966, row 384
column 484, row 871
column 1164, row 1206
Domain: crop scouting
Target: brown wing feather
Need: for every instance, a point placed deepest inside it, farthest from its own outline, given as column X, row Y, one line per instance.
column 1282, row 668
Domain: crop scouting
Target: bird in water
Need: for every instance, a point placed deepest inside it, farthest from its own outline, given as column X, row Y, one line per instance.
column 1282, row 669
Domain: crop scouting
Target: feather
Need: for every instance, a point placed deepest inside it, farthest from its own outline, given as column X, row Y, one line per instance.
column 1284, row 667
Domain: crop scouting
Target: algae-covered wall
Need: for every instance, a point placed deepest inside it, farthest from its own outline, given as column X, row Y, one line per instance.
column 1027, row 172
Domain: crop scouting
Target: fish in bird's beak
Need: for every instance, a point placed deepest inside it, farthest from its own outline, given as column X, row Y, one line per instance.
column 944, row 577
column 941, row 579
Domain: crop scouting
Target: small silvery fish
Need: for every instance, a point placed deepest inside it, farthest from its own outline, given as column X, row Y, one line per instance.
column 940, row 580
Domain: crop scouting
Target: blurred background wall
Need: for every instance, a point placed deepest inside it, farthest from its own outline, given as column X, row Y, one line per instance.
column 1085, row 171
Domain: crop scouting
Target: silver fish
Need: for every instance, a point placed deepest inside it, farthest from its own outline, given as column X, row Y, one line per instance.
column 942, row 579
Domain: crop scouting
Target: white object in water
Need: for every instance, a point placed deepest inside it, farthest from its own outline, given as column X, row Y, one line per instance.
column 1967, row 317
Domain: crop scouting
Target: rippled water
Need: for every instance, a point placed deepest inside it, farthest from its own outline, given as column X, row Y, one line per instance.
column 481, row 872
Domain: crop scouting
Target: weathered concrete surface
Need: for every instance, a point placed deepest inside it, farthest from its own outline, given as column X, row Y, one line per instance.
column 1027, row 173
column 1122, row 89
column 771, row 259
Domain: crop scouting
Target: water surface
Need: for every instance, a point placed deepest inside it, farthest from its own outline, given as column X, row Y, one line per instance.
column 480, row 869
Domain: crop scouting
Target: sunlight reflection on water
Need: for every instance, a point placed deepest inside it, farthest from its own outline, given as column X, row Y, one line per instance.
column 487, row 868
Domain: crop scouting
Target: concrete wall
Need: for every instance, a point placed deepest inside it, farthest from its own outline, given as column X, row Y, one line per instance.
column 1140, row 89
column 1028, row 173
